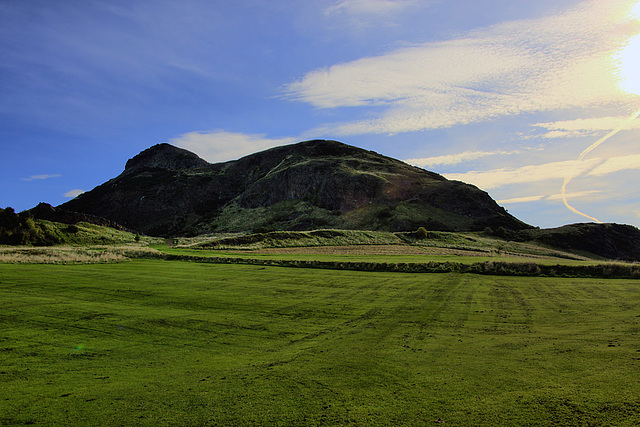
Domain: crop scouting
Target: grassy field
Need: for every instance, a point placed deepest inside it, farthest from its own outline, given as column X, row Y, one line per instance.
column 73, row 254
column 373, row 253
column 407, row 259
column 471, row 243
column 152, row 342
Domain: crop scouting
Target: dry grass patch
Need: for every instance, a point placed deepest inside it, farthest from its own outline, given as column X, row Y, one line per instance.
column 73, row 254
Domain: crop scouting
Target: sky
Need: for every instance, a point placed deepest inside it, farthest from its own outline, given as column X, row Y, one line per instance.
column 533, row 101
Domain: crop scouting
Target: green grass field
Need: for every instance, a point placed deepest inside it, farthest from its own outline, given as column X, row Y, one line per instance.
column 152, row 342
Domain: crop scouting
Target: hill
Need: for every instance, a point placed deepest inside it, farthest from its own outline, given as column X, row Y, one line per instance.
column 24, row 229
column 610, row 241
column 47, row 212
column 166, row 191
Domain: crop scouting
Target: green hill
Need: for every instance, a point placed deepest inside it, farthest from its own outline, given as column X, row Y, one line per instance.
column 23, row 229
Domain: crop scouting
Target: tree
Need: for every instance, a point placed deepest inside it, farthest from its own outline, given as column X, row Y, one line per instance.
column 421, row 233
column 500, row 232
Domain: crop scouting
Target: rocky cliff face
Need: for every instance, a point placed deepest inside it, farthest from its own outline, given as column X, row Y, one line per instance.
column 166, row 190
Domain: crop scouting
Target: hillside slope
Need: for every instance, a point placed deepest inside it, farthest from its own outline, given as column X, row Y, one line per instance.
column 611, row 241
column 166, row 191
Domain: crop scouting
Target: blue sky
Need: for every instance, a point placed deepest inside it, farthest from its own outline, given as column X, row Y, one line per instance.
column 503, row 94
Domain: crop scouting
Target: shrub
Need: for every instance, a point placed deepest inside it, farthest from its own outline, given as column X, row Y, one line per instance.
column 421, row 233
column 501, row 232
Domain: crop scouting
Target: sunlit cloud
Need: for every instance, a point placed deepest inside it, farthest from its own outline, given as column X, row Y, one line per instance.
column 531, row 173
column 41, row 177
column 617, row 164
column 575, row 195
column 628, row 60
column 73, row 193
column 219, row 145
column 520, row 200
column 528, row 199
column 454, row 159
column 558, row 62
column 586, row 127
column 554, row 170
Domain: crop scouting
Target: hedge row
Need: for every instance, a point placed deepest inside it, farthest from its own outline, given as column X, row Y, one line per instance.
column 609, row 271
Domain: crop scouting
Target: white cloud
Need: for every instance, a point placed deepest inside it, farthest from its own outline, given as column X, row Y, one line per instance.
column 219, row 145
column 592, row 124
column 554, row 170
column 557, row 62
column 369, row 7
column 617, row 164
column 454, row 159
column 586, row 127
column 73, row 193
column 41, row 177
column 576, row 195
column 532, row 173
column 527, row 199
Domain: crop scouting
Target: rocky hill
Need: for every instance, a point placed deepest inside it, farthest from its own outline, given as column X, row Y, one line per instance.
column 166, row 191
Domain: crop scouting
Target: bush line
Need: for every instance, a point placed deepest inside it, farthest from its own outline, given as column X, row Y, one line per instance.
column 499, row 268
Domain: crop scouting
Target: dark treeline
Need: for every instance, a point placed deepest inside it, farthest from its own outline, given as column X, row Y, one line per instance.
column 22, row 229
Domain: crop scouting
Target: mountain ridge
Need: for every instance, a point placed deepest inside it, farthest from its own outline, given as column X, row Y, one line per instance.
column 166, row 190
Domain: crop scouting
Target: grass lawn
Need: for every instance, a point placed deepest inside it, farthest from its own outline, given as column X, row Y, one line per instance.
column 152, row 342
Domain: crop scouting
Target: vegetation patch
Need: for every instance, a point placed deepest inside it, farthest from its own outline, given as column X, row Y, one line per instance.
column 609, row 270
column 299, row 238
column 74, row 254
column 152, row 342
column 22, row 229
column 475, row 242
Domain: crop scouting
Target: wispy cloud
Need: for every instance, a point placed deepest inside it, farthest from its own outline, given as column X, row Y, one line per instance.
column 41, row 177
column 617, row 164
column 586, row 127
column 368, row 7
column 528, row 199
column 454, row 159
column 73, row 193
column 531, row 173
column 596, row 167
column 557, row 62
column 219, row 145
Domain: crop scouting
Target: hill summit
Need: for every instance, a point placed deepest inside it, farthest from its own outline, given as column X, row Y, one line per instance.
column 166, row 190
column 165, row 156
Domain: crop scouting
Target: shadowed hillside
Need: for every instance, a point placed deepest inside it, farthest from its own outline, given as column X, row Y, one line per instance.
column 166, row 190
column 611, row 241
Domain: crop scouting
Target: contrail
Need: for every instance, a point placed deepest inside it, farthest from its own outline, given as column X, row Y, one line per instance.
column 586, row 151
